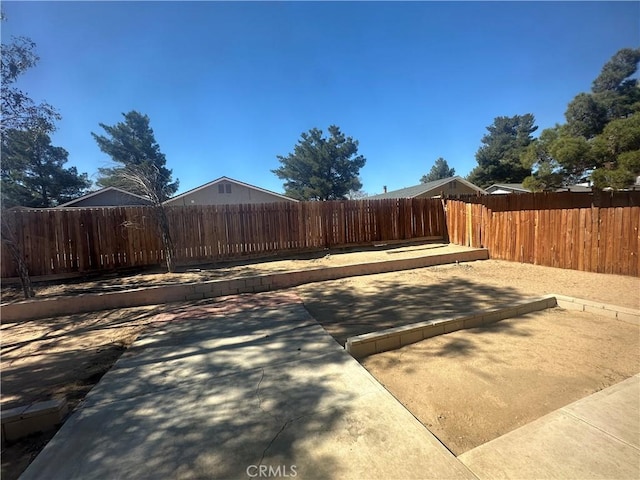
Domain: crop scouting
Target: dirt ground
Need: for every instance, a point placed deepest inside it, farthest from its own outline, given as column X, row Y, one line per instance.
column 66, row 356
column 62, row 357
column 471, row 386
column 357, row 305
column 126, row 280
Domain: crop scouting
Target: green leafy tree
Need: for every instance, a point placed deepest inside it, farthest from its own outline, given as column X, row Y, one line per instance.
column 614, row 94
column 617, row 151
column 616, row 72
column 600, row 140
column 548, row 172
column 132, row 146
column 586, row 115
column 439, row 170
column 545, row 179
column 499, row 156
column 574, row 155
column 357, row 194
column 19, row 111
column 321, row 168
column 33, row 172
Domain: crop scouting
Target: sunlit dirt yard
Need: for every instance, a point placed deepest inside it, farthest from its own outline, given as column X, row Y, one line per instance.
column 471, row 386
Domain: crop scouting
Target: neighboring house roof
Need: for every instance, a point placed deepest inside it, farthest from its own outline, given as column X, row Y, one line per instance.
column 434, row 187
column 177, row 198
column 107, row 197
column 497, row 188
column 575, row 188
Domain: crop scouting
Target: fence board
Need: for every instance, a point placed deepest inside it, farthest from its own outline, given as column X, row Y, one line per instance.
column 98, row 239
column 596, row 232
column 634, row 240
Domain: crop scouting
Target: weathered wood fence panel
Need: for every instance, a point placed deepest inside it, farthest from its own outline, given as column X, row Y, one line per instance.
column 59, row 241
column 592, row 232
column 595, row 232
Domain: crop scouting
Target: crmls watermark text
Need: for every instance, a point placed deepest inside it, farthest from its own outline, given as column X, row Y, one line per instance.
column 269, row 471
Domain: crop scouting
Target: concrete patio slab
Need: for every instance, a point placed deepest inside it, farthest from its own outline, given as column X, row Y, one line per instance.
column 614, row 410
column 595, row 437
column 230, row 395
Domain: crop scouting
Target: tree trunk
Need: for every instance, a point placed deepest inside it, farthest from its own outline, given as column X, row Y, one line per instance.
column 23, row 271
column 167, row 242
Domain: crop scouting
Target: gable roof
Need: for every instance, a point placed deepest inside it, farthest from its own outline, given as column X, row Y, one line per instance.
column 102, row 191
column 508, row 186
column 227, row 179
column 574, row 188
column 416, row 190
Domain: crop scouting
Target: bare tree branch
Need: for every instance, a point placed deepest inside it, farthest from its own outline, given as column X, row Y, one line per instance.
column 147, row 177
column 8, row 238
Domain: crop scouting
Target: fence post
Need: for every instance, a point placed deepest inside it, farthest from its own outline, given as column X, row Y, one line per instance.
column 445, row 220
column 469, row 218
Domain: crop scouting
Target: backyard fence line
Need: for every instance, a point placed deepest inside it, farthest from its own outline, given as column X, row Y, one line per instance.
column 594, row 232
column 67, row 241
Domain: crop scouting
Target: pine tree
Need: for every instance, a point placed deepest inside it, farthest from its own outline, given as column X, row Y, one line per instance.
column 439, row 170
column 499, row 156
column 322, row 168
column 132, row 144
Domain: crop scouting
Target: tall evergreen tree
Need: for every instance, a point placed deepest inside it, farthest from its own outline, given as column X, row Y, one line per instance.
column 601, row 139
column 33, row 172
column 141, row 169
column 499, row 156
column 322, row 168
column 439, row 170
column 548, row 176
column 132, row 145
column 19, row 113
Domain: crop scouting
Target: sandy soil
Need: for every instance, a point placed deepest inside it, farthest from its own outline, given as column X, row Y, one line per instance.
column 124, row 280
column 66, row 356
column 357, row 305
column 471, row 386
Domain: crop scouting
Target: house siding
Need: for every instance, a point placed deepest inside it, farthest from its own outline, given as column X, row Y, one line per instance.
column 211, row 196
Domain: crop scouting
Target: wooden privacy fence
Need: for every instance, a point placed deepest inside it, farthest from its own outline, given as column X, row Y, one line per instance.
column 594, row 232
column 59, row 241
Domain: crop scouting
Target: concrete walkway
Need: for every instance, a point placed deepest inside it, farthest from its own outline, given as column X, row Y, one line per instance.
column 242, row 392
column 230, row 390
column 595, row 437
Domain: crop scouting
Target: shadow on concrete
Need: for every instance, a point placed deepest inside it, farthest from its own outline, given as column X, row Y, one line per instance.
column 67, row 355
column 206, row 395
column 345, row 309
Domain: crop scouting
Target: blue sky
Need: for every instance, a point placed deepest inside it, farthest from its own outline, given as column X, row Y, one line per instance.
column 229, row 86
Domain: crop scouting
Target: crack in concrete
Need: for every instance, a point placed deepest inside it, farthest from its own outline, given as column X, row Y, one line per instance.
column 275, row 417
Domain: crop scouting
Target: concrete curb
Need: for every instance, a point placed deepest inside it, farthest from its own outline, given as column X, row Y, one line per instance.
column 51, row 307
column 627, row 315
column 38, row 417
column 361, row 346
